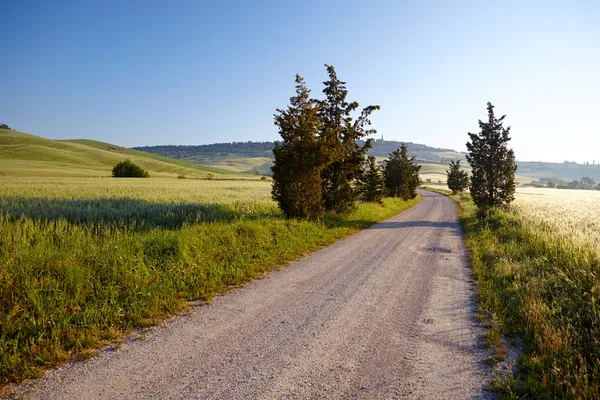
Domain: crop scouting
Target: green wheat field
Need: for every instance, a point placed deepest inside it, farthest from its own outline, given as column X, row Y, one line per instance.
column 86, row 259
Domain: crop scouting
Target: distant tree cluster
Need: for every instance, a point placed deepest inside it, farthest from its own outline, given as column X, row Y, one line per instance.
column 185, row 151
column 492, row 162
column 585, row 183
column 127, row 169
column 4, row 126
column 379, row 148
column 458, row 180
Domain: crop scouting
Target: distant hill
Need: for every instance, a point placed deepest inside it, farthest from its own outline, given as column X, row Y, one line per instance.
column 567, row 171
column 22, row 154
column 257, row 157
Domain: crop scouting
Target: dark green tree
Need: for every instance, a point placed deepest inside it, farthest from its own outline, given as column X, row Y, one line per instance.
column 458, row 180
column 339, row 133
column 299, row 158
column 587, row 183
column 493, row 175
column 401, row 174
column 373, row 186
column 127, row 169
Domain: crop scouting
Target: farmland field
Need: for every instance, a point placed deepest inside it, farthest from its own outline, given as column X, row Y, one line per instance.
column 84, row 260
column 572, row 215
column 537, row 268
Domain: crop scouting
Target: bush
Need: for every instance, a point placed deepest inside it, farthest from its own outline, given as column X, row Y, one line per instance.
column 127, row 169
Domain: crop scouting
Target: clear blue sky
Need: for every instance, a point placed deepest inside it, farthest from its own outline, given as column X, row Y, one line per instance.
column 177, row 72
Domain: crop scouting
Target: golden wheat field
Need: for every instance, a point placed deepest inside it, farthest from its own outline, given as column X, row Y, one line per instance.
column 572, row 215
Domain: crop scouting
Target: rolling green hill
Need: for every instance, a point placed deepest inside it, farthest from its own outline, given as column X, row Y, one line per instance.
column 22, row 154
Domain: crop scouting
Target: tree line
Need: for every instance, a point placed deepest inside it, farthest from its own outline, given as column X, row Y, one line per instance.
column 585, row 183
column 184, row 151
column 321, row 163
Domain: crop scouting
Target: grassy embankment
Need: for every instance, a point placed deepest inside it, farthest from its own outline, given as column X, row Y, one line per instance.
column 537, row 279
column 82, row 261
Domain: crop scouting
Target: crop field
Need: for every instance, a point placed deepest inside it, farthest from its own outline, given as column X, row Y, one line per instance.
column 137, row 203
column 537, row 268
column 85, row 260
column 572, row 215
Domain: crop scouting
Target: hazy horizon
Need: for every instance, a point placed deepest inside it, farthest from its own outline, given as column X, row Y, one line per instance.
column 149, row 73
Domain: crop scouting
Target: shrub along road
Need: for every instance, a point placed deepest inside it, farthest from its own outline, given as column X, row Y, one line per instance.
column 386, row 313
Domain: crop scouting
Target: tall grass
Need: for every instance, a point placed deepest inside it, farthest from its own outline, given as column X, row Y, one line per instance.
column 78, row 268
column 543, row 285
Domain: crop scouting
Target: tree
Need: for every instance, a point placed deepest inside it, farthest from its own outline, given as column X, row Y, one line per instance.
column 339, row 134
column 587, row 183
column 493, row 164
column 401, row 174
column 4, row 126
column 373, row 187
column 299, row 158
column 127, row 169
column 457, row 180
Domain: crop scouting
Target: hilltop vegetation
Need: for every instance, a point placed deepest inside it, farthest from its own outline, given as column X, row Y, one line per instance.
column 22, row 154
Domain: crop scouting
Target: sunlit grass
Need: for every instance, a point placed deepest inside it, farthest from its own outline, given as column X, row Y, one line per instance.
column 84, row 260
column 573, row 215
column 537, row 268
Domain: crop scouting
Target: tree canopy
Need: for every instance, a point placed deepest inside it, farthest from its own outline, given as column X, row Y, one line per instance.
column 458, row 180
column 401, row 174
column 340, row 135
column 299, row 158
column 373, row 185
column 492, row 162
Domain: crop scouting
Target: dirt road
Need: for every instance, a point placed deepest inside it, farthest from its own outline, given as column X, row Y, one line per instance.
column 386, row 313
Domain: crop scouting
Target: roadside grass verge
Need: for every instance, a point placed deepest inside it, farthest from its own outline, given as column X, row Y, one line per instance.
column 68, row 288
column 545, row 289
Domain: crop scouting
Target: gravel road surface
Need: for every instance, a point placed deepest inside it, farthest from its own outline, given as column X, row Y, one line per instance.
column 386, row 313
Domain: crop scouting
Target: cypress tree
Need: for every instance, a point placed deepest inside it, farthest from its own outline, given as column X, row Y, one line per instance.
column 373, row 186
column 493, row 176
column 401, row 174
column 299, row 158
column 340, row 134
column 458, row 180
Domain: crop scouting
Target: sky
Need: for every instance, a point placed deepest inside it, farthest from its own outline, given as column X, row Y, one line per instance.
column 151, row 72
